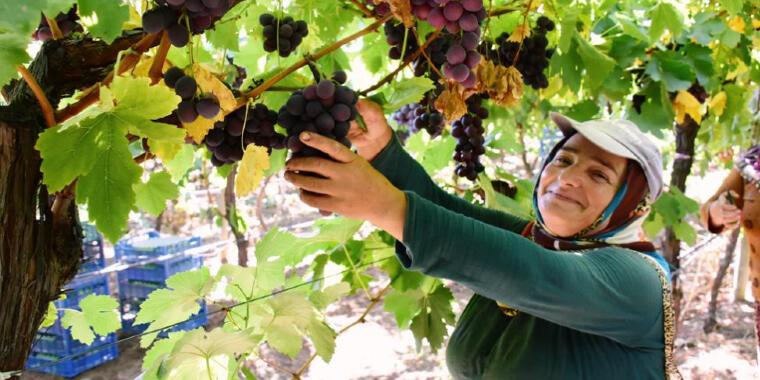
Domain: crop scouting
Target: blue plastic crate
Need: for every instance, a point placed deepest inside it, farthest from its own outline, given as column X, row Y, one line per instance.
column 93, row 258
column 151, row 245
column 133, row 288
column 71, row 367
column 130, row 307
column 65, row 344
column 78, row 289
column 161, row 270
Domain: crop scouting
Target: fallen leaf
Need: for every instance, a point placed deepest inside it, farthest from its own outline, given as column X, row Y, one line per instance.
column 520, row 33
column 255, row 161
column 718, row 103
column 686, row 104
column 451, row 101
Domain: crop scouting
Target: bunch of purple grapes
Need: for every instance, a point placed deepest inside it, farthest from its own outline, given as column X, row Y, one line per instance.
column 461, row 19
column 168, row 15
column 247, row 125
column 422, row 115
column 283, row 35
column 534, row 56
column 67, row 22
column 326, row 108
column 436, row 51
column 395, row 32
column 378, row 10
column 468, row 131
column 190, row 106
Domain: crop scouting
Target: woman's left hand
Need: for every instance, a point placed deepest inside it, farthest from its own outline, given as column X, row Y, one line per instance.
column 351, row 187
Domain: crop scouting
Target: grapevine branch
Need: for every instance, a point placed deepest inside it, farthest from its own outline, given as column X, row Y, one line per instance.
column 525, row 20
column 91, row 95
column 54, row 28
column 271, row 81
column 47, row 109
column 373, row 302
column 401, row 66
column 363, row 8
column 156, row 68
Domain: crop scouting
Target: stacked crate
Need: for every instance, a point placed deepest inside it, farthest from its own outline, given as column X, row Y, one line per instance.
column 54, row 343
column 137, row 282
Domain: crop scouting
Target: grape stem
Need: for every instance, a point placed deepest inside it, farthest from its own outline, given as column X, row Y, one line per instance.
column 373, row 302
column 430, row 62
column 525, row 21
column 363, row 8
column 314, row 70
column 401, row 66
column 156, row 68
column 54, row 28
column 47, row 109
column 91, row 95
column 327, row 50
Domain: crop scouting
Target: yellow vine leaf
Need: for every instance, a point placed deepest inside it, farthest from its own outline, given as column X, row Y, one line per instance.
column 520, row 33
column 255, row 161
column 402, row 9
column 209, row 84
column 686, row 104
column 737, row 24
column 451, row 101
column 755, row 24
column 718, row 103
column 503, row 84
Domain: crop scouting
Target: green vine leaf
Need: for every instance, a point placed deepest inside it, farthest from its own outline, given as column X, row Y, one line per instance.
column 99, row 314
column 111, row 14
column 151, row 196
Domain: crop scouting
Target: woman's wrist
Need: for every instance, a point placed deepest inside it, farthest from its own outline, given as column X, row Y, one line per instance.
column 391, row 216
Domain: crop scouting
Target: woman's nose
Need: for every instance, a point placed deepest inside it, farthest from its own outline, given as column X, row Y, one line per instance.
column 570, row 176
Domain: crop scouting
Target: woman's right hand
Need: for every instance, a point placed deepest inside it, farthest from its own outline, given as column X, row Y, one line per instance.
column 371, row 142
column 725, row 213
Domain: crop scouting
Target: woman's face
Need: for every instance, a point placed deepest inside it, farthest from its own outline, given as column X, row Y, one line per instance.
column 577, row 185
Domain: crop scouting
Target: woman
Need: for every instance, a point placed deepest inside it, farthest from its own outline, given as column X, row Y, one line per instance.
column 599, row 311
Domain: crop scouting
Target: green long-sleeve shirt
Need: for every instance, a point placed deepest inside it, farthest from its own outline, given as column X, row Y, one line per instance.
column 591, row 315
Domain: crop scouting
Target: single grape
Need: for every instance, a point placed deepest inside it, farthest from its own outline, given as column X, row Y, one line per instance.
column 296, row 104
column 179, row 35
column 153, row 21
column 452, row 11
column 185, row 87
column 215, row 137
column 212, row 3
column 325, row 89
column 472, row 60
column 324, row 123
column 186, row 111
column 313, row 108
column 340, row 76
column 266, row 19
column 176, row 3
column 172, row 75
column 436, row 18
column 472, row 5
column 469, row 41
column 234, row 127
column 194, row 6
column 456, row 54
column 208, row 107
column 469, row 23
column 340, row 112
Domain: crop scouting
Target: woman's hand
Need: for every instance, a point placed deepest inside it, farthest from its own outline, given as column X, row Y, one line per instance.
column 351, row 186
column 371, row 142
column 725, row 213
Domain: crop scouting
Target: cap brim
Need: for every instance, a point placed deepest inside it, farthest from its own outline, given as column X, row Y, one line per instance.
column 594, row 134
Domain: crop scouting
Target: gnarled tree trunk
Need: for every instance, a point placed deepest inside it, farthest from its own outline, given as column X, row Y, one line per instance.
column 39, row 253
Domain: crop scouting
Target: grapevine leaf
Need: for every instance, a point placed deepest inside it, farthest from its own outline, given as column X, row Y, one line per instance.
column 582, row 111
column 498, row 201
column 107, row 187
column 520, row 33
column 451, row 101
column 630, row 28
column 63, row 158
column 503, row 84
column 322, row 298
column 283, row 319
column 251, row 169
column 208, row 354
column 669, row 68
column 323, row 338
column 80, row 329
column 161, row 348
column 665, row 16
column 702, row 61
column 653, row 224
column 405, row 92
column 431, row 322
column 732, row 6
column 98, row 313
column 151, row 196
column 403, row 305
column 20, row 19
column 209, row 84
column 685, row 232
column 50, row 316
column 718, row 103
column 276, row 161
column 570, row 66
column 225, row 35
column 165, row 307
column 110, row 14
column 706, row 27
column 136, row 97
column 181, row 163
column 734, row 101
column 13, row 53
column 593, row 58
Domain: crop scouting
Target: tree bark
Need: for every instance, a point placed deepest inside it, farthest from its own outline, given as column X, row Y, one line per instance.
column 710, row 322
column 230, row 213
column 685, row 135
column 37, row 255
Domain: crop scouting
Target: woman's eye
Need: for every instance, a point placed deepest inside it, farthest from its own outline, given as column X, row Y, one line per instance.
column 562, row 160
column 601, row 176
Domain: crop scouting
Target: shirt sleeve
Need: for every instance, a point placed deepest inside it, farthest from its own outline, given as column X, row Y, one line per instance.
column 407, row 174
column 612, row 292
column 733, row 182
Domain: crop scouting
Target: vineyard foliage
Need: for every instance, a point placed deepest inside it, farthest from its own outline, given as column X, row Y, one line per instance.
column 656, row 63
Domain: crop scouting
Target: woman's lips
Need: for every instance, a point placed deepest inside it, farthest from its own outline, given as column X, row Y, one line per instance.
column 564, row 198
